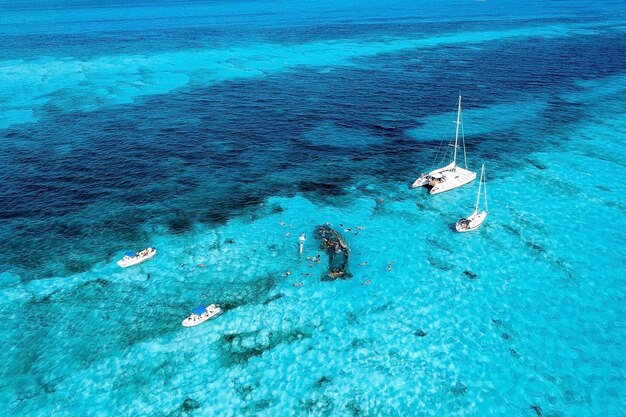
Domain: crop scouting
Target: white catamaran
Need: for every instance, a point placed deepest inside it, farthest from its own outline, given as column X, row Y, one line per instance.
column 450, row 176
column 474, row 220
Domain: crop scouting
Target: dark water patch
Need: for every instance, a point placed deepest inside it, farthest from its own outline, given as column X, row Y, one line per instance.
column 235, row 295
column 229, row 241
column 352, row 318
column 355, row 409
column 46, row 299
column 458, row 389
column 76, row 265
column 505, row 336
column 420, row 205
column 244, row 390
column 420, row 333
column 239, row 348
column 256, row 406
column 536, row 164
column 439, row 245
column 512, row 230
column 537, row 409
column 555, row 186
column 616, row 205
column 384, row 307
column 534, row 246
column 190, row 405
column 497, row 322
column 470, row 274
column 273, row 298
column 277, row 208
column 358, row 343
column 439, row 264
column 179, row 225
column 324, row 188
column 603, row 188
column 318, row 405
column 322, row 382
column 564, row 267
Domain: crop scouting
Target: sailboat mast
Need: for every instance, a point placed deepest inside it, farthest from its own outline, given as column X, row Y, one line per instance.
column 480, row 183
column 458, row 123
column 486, row 206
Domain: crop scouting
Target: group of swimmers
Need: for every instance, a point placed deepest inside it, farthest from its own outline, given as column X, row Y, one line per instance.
column 317, row 258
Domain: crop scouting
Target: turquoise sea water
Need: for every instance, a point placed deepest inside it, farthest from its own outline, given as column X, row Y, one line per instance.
column 219, row 132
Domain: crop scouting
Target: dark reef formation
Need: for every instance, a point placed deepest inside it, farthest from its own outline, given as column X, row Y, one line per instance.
column 337, row 251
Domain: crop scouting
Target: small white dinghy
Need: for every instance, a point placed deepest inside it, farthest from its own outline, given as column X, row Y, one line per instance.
column 474, row 220
column 201, row 314
column 450, row 176
column 134, row 258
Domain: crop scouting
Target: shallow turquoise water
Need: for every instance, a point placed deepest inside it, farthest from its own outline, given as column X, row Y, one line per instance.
column 222, row 133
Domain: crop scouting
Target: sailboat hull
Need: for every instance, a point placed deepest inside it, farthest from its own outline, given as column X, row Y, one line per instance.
column 473, row 222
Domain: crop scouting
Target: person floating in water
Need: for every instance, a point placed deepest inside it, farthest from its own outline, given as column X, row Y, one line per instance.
column 298, row 284
column 368, row 282
column 302, row 240
column 389, row 265
column 286, row 274
column 148, row 274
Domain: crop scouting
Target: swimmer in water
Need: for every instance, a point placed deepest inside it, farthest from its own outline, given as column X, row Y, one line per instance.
column 363, row 263
column 287, row 234
column 298, row 284
column 286, row 274
column 282, row 223
column 389, row 265
column 368, row 282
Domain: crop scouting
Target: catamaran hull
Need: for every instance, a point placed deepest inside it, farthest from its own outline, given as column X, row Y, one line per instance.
column 421, row 181
column 453, row 181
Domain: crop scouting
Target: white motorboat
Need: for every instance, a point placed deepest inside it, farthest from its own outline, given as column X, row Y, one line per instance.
column 474, row 220
column 201, row 314
column 134, row 258
column 450, row 176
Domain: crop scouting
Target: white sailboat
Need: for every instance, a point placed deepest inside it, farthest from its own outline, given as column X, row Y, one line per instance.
column 450, row 176
column 474, row 220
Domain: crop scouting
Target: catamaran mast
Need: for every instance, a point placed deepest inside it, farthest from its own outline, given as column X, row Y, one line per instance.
column 458, row 123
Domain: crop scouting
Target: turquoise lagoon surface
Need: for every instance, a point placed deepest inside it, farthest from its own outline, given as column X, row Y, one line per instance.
column 220, row 131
